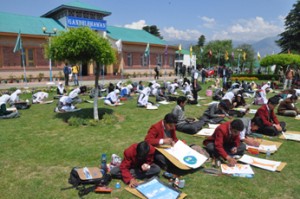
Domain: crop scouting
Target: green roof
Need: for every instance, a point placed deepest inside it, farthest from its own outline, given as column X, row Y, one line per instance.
column 133, row 35
column 13, row 23
column 78, row 6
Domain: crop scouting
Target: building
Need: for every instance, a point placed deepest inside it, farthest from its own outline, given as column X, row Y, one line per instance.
column 37, row 31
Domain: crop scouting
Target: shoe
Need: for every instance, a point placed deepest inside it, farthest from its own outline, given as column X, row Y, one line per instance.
column 168, row 175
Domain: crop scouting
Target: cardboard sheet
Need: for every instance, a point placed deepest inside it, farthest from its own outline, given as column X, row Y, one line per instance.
column 151, row 107
column 46, row 102
column 138, row 194
column 269, row 165
column 89, row 173
column 266, row 143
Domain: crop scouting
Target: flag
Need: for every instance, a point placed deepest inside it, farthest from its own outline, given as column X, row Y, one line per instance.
column 226, row 55
column 191, row 51
column 147, row 50
column 210, row 53
column 18, row 45
column 119, row 45
column 258, row 56
column 244, row 56
column 179, row 48
column 166, row 50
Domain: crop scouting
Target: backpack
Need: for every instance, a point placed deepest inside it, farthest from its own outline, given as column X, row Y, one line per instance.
column 67, row 71
column 79, row 177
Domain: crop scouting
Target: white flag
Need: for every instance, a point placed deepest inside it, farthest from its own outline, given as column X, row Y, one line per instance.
column 119, row 45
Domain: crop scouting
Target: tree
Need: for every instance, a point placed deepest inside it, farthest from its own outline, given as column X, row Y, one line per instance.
column 290, row 38
column 244, row 55
column 201, row 41
column 283, row 60
column 153, row 30
column 83, row 45
column 214, row 51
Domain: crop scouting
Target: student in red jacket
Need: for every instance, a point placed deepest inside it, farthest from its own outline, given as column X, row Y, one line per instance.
column 225, row 141
column 136, row 164
column 271, row 126
column 164, row 133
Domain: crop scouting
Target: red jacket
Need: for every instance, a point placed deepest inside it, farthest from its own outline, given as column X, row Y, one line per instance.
column 222, row 138
column 263, row 113
column 130, row 161
column 156, row 132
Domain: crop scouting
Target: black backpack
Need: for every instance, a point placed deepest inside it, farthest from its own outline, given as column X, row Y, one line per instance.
column 78, row 181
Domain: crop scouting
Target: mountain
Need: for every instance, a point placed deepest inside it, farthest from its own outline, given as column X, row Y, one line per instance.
column 266, row 46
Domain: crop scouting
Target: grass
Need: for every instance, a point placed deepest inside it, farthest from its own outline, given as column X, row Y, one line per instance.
column 39, row 149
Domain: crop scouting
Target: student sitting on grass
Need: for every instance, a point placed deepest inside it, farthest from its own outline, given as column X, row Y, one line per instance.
column 136, row 164
column 225, row 141
column 144, row 97
column 250, row 126
column 4, row 113
column 74, row 94
column 164, row 133
column 216, row 112
column 65, row 105
column 287, row 106
column 112, row 99
column 39, row 97
column 271, row 126
column 184, row 124
column 15, row 97
column 60, row 90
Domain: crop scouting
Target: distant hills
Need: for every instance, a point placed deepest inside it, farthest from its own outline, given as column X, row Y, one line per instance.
column 266, row 46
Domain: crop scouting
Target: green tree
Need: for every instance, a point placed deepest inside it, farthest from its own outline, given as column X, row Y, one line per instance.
column 218, row 48
column 153, row 30
column 83, row 45
column 201, row 41
column 290, row 39
column 281, row 60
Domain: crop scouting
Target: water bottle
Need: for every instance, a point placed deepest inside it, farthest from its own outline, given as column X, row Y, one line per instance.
column 103, row 163
column 118, row 185
column 268, row 154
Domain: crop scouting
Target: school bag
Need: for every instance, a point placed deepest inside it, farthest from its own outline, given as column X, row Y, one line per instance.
column 81, row 177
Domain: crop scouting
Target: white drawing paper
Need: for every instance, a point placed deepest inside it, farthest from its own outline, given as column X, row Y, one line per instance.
column 206, row 132
column 269, row 165
column 237, row 169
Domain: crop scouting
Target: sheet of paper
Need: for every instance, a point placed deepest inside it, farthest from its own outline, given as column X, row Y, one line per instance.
column 151, row 107
column 252, row 111
column 164, row 102
column 269, row 165
column 186, row 155
column 213, row 126
column 264, row 148
column 240, row 109
column 289, row 136
column 237, row 169
column 156, row 190
column 206, row 132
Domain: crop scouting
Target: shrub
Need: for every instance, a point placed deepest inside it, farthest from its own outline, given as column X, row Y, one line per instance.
column 75, row 121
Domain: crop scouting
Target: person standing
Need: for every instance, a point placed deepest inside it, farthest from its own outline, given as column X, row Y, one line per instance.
column 195, row 84
column 75, row 71
column 156, row 69
column 67, row 72
column 288, row 78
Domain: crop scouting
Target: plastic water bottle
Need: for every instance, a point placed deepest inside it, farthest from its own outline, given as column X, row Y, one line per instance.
column 103, row 163
column 268, row 154
column 118, row 185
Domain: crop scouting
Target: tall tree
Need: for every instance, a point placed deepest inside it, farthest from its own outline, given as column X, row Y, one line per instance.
column 153, row 30
column 201, row 41
column 244, row 55
column 83, row 45
column 290, row 39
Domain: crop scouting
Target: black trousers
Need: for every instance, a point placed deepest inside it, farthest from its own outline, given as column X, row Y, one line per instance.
column 271, row 130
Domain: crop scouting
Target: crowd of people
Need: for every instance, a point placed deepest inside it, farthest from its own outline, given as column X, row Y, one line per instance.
column 229, row 109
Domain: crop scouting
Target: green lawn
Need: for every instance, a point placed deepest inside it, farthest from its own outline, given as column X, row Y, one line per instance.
column 39, row 149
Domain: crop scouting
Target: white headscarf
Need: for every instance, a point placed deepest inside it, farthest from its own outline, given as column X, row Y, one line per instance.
column 14, row 97
column 4, row 98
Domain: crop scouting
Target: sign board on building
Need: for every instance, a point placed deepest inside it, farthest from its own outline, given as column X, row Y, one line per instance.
column 94, row 24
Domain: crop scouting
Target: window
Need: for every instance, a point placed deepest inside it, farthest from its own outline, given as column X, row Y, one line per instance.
column 129, row 59
column 144, row 60
column 29, row 60
column 171, row 61
column 159, row 59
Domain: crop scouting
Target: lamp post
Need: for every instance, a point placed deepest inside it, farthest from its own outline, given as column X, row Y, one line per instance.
column 49, row 35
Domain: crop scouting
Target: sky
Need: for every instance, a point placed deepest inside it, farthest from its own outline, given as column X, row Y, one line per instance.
column 238, row 20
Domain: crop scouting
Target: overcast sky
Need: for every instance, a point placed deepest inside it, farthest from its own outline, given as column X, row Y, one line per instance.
column 239, row 20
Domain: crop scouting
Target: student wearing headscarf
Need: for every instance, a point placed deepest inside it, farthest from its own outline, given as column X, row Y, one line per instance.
column 15, row 97
column 4, row 114
column 39, row 97
column 65, row 104
column 112, row 99
column 60, row 90
column 144, row 97
column 74, row 94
